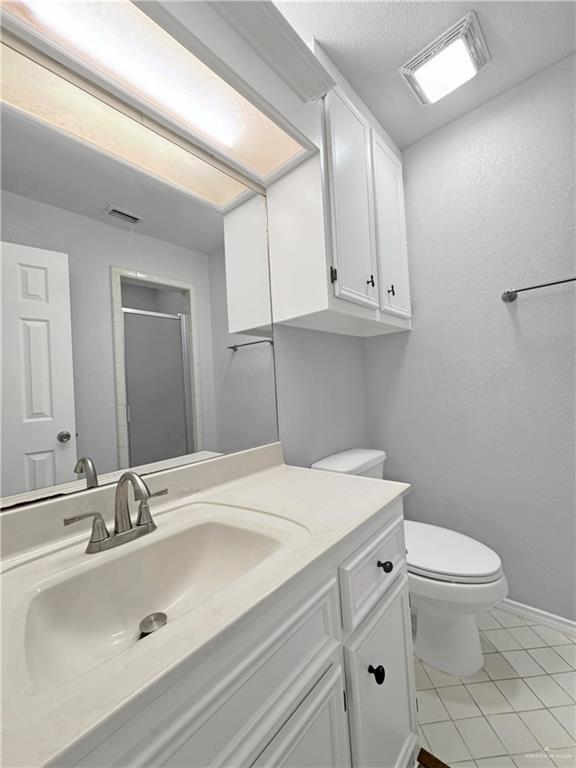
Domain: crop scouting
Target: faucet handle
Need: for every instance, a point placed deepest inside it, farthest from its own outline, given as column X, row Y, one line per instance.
column 144, row 516
column 99, row 530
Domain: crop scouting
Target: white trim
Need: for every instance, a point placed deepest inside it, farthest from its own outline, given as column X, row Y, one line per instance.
column 269, row 34
column 541, row 617
column 116, row 273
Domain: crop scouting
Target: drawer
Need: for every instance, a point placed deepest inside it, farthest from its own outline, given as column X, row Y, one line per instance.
column 223, row 712
column 362, row 580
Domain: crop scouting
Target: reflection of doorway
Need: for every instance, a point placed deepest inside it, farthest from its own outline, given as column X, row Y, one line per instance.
column 157, row 394
column 157, row 386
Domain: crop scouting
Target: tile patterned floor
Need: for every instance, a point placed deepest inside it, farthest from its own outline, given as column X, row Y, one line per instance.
column 519, row 711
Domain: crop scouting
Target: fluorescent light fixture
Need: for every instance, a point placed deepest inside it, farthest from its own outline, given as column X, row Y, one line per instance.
column 451, row 60
column 43, row 96
column 120, row 43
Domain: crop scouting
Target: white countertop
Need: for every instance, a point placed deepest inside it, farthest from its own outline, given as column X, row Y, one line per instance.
column 40, row 725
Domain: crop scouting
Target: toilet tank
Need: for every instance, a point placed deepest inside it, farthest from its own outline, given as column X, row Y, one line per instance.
column 357, row 461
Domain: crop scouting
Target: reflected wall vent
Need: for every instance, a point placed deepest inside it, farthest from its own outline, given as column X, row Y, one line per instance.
column 127, row 218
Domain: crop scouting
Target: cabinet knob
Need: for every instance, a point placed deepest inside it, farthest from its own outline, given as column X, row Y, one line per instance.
column 386, row 566
column 391, row 290
column 378, row 672
column 371, row 281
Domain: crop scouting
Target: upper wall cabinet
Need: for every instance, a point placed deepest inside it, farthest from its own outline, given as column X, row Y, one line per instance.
column 337, row 232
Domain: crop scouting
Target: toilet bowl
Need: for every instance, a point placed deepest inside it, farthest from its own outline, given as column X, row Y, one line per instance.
column 451, row 577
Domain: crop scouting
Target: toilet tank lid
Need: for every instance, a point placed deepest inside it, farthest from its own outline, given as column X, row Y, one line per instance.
column 352, row 462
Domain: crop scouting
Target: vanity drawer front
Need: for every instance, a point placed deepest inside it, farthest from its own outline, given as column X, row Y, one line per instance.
column 368, row 573
column 223, row 713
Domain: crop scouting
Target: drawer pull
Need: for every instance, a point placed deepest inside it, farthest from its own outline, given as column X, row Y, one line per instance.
column 386, row 566
column 378, row 672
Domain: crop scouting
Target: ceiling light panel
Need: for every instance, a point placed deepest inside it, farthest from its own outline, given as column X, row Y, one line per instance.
column 121, row 43
column 43, row 95
column 451, row 60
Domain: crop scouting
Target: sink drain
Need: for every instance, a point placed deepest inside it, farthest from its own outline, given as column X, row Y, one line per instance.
column 151, row 623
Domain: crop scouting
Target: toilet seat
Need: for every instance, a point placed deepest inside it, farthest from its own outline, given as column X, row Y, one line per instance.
column 440, row 554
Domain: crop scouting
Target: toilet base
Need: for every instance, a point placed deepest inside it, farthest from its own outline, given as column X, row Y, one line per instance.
column 450, row 643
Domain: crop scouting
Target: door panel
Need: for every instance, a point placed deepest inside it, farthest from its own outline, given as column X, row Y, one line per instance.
column 315, row 736
column 155, row 387
column 390, row 230
column 348, row 137
column 37, row 374
column 383, row 712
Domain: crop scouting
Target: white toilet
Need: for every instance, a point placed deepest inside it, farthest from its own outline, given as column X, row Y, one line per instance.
column 451, row 576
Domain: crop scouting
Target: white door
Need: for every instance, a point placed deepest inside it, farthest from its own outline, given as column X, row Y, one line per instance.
column 390, row 230
column 316, row 735
column 380, row 674
column 37, row 379
column 354, row 250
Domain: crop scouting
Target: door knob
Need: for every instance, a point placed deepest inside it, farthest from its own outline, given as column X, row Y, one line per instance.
column 379, row 673
column 63, row 436
column 386, row 566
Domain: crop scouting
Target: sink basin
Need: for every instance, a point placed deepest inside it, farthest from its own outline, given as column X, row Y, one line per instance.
column 79, row 619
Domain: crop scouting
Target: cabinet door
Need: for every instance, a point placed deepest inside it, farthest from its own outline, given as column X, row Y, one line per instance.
column 390, row 229
column 316, row 736
column 247, row 270
column 349, row 181
column 383, row 701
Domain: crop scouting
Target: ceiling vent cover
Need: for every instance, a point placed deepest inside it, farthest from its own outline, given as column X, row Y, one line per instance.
column 127, row 218
column 448, row 62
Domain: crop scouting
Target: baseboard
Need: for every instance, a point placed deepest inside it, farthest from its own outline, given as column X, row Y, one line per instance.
column 539, row 616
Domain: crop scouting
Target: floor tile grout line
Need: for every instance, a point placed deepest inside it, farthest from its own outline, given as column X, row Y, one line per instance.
column 458, row 682
column 495, row 683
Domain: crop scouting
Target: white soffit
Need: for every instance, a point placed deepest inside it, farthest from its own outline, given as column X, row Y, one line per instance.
column 265, row 28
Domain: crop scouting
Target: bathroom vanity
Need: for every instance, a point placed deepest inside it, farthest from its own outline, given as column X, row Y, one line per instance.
column 146, row 304
column 288, row 639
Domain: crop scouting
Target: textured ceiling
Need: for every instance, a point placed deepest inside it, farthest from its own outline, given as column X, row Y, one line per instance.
column 46, row 166
column 370, row 41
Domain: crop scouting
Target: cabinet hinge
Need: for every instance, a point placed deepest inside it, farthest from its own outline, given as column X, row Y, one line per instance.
column 333, row 274
column 345, row 702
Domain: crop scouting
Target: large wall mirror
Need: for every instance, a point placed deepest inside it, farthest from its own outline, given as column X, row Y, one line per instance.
column 136, row 325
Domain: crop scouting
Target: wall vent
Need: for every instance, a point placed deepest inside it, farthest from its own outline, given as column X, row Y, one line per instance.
column 127, row 218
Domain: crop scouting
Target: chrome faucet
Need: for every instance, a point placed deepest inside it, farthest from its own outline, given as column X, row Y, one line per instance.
column 86, row 465
column 122, row 521
column 124, row 531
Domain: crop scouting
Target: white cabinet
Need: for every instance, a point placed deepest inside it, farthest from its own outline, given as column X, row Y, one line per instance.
column 337, row 233
column 247, row 273
column 290, row 685
column 379, row 669
column 390, row 224
column 316, row 736
column 351, row 198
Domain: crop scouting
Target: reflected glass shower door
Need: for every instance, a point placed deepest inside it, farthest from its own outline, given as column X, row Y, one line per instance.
column 157, row 386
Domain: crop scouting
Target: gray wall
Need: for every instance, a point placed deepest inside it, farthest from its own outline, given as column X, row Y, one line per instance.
column 92, row 247
column 321, row 393
column 476, row 405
